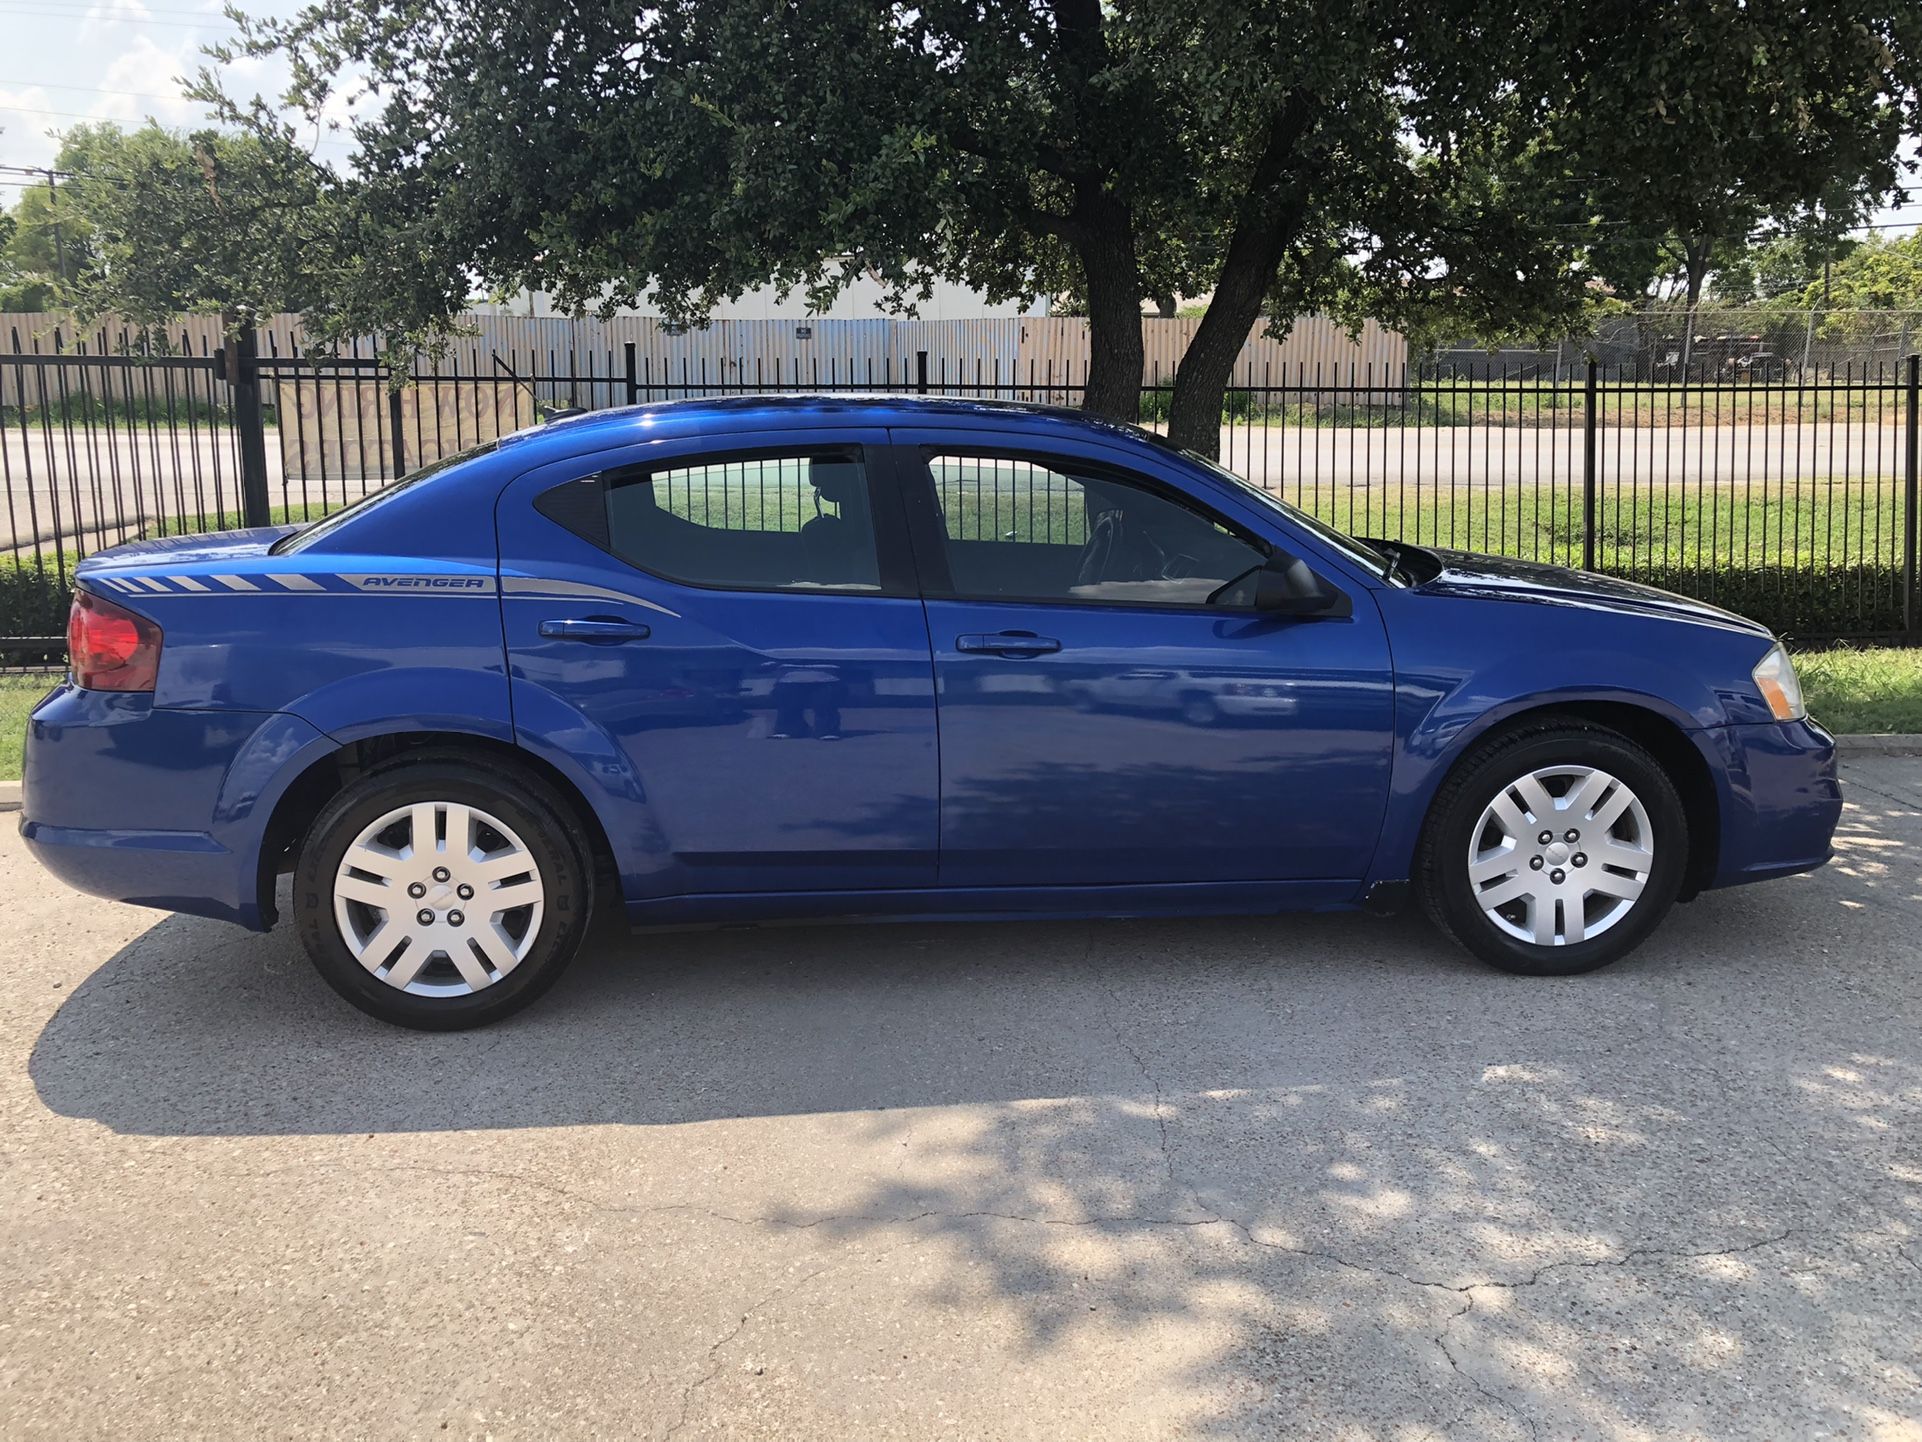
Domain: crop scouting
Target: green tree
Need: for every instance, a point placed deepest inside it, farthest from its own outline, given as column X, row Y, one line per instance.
column 1877, row 274
column 1401, row 158
column 1775, row 271
column 46, row 244
column 148, row 224
column 1760, row 120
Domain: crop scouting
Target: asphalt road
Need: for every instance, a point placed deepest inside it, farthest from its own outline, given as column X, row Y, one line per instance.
column 1308, row 1177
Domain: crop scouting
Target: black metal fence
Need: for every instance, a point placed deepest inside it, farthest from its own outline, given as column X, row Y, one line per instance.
column 1793, row 499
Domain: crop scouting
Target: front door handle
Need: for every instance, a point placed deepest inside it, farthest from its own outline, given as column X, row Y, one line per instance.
column 602, row 630
column 1007, row 643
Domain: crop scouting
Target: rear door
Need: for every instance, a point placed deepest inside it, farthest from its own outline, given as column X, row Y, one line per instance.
column 1103, row 720
column 727, row 634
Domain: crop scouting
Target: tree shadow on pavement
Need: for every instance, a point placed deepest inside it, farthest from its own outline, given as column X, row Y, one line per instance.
column 1303, row 1176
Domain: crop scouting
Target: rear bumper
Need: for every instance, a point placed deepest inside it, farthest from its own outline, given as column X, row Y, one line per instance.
column 1781, row 799
column 157, row 807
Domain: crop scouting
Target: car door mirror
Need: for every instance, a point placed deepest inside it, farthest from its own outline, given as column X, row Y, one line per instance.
column 1286, row 587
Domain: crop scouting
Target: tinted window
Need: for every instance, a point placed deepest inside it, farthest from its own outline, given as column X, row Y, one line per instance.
column 1020, row 529
column 793, row 522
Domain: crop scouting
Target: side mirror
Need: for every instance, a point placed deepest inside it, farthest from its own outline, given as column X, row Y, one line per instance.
column 1286, row 587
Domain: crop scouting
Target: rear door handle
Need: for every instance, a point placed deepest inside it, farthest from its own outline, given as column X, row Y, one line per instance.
column 603, row 630
column 1007, row 643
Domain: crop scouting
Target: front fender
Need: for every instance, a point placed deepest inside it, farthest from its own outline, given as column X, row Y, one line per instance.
column 1441, row 713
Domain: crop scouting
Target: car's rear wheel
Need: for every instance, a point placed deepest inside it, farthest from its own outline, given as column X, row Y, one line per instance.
column 438, row 895
column 1554, row 849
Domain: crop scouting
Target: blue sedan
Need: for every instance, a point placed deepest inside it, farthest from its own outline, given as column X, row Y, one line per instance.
column 814, row 657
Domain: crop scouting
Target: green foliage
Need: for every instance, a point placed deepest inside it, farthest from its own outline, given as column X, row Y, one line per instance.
column 155, row 223
column 1428, row 162
column 1878, row 274
column 20, row 692
column 44, row 238
column 1762, row 116
column 33, row 602
column 1857, row 689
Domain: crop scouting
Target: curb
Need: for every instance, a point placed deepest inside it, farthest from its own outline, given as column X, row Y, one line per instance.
column 1897, row 743
column 9, row 795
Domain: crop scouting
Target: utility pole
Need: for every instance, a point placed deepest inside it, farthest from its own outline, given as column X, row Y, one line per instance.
column 59, row 240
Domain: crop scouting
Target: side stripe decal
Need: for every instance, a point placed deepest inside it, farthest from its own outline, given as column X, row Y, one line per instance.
column 390, row 583
column 534, row 587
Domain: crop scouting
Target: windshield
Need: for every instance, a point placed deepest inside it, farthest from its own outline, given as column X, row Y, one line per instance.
column 327, row 525
column 1360, row 552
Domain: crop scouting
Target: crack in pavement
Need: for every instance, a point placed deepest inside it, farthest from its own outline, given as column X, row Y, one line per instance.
column 1211, row 1218
column 779, row 1294
column 1454, row 1363
column 1466, row 1290
column 1141, row 1063
column 714, row 1349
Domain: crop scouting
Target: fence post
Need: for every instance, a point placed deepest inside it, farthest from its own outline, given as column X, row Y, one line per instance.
column 1910, row 452
column 244, row 377
column 633, row 375
column 1588, row 468
column 921, row 372
column 396, row 425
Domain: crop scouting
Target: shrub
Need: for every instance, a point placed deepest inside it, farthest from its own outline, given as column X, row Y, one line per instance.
column 34, row 602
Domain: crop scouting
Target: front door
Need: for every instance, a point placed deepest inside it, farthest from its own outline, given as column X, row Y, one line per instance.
column 1106, row 718
column 734, row 632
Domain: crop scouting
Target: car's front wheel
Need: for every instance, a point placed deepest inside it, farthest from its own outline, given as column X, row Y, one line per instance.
column 439, row 895
column 1554, row 849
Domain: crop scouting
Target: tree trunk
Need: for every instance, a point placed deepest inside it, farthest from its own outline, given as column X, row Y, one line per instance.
column 1266, row 223
column 1695, row 255
column 1104, row 231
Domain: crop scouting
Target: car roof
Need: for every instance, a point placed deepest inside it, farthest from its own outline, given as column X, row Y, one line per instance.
column 797, row 411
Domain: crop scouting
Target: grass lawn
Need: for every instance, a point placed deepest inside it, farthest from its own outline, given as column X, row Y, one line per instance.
column 17, row 696
column 1863, row 690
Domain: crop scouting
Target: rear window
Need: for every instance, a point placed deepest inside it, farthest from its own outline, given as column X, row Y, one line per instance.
column 784, row 521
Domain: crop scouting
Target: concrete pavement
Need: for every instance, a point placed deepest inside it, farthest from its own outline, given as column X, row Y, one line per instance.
column 1303, row 1177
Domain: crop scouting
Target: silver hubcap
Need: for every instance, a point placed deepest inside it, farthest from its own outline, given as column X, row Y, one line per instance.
column 438, row 899
column 1561, row 855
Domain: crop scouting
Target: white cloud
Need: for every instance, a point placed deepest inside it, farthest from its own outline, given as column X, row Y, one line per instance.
column 26, row 141
column 103, row 20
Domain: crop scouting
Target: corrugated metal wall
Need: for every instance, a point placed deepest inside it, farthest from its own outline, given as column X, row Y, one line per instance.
column 583, row 361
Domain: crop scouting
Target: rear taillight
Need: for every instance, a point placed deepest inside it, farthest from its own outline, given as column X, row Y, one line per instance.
column 109, row 647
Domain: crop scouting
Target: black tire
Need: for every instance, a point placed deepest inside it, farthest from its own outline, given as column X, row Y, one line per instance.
column 520, row 801
column 1442, row 861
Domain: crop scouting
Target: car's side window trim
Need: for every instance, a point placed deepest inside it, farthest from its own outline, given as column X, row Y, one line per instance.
column 922, row 505
column 893, row 556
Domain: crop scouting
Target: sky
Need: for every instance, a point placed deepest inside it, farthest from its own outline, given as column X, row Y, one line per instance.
column 63, row 61
column 67, row 61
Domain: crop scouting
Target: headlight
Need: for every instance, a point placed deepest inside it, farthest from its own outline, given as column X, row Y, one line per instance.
column 1775, row 679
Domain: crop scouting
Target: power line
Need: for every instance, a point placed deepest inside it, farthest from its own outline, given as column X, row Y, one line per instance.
column 64, row 114
column 91, row 89
column 114, row 120
column 71, row 15
column 85, row 9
